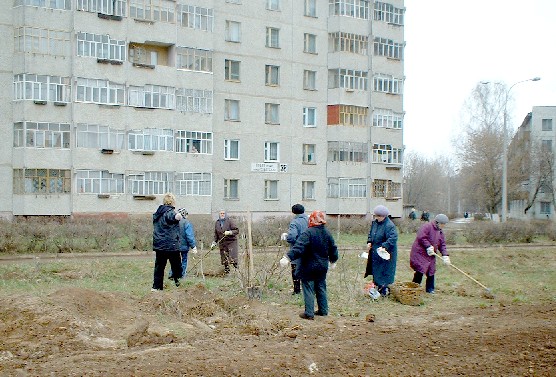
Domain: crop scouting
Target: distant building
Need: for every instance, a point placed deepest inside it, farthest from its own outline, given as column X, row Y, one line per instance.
column 237, row 104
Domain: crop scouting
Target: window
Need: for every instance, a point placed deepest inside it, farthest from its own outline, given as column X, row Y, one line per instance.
column 195, row 17
column 388, row 48
column 310, row 43
column 42, row 41
column 308, row 190
column 111, row 7
column 153, row 10
column 100, row 47
column 347, row 188
column 347, row 42
column 270, row 190
column 273, row 4
column 387, row 154
column 547, row 124
column 151, row 139
column 231, row 110
column 231, row 149
column 193, row 142
column 99, row 182
column 194, row 101
column 347, row 79
column 49, row 4
column 271, row 151
column 386, row 189
column 231, row 189
column 350, row 8
column 194, row 184
column 231, row 70
column 272, row 113
column 310, row 8
column 546, row 145
column 42, row 181
column 42, row 135
column 100, row 137
column 387, row 118
column 272, row 37
column 309, row 153
column 152, row 96
column 233, row 31
column 349, row 115
column 41, row 88
column 151, row 183
column 388, row 13
column 193, row 59
column 146, row 55
column 545, row 208
column 347, row 151
column 309, row 117
column 103, row 92
column 387, row 84
column 272, row 75
column 309, row 80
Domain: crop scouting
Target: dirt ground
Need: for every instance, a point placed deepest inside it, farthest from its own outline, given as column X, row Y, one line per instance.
column 194, row 332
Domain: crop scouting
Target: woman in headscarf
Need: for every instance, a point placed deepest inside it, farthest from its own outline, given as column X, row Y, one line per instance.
column 382, row 245
column 315, row 249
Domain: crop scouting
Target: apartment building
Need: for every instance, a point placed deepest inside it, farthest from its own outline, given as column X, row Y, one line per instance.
column 236, row 104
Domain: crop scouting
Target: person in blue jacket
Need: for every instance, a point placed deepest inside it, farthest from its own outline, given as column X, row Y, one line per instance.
column 187, row 243
column 382, row 245
column 297, row 226
column 316, row 251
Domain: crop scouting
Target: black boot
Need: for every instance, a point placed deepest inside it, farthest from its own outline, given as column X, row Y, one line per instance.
column 296, row 287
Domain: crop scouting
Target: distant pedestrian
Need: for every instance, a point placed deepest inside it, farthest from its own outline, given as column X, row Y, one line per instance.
column 187, row 242
column 316, row 251
column 166, row 241
column 422, row 259
column 425, row 216
column 412, row 214
column 297, row 226
column 225, row 237
column 382, row 246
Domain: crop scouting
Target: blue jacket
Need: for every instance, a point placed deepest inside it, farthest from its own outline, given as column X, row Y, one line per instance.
column 382, row 234
column 315, row 248
column 187, row 235
column 297, row 226
column 165, row 229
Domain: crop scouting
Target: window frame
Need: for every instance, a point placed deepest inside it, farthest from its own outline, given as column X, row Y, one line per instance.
column 271, row 151
column 231, row 149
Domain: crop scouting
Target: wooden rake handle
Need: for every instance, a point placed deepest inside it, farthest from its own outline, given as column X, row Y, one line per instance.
column 470, row 277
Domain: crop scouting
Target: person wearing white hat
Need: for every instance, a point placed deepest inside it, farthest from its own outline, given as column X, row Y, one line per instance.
column 382, row 245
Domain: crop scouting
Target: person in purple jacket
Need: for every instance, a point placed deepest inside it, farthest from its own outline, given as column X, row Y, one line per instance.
column 422, row 259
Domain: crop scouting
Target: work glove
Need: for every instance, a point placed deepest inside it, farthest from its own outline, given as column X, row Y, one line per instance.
column 383, row 253
column 178, row 216
column 284, row 237
column 364, row 255
column 213, row 245
column 446, row 260
column 430, row 251
column 194, row 250
column 228, row 233
column 331, row 265
column 284, row 261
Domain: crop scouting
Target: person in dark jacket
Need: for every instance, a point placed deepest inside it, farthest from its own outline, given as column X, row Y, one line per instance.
column 425, row 216
column 422, row 259
column 166, row 241
column 382, row 245
column 187, row 243
column 316, row 250
column 297, row 226
column 225, row 237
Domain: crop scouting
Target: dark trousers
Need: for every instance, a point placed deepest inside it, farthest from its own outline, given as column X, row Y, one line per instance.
column 295, row 279
column 160, row 264
column 315, row 288
column 429, row 284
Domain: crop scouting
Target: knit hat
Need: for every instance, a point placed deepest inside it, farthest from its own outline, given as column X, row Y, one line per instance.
column 298, row 209
column 441, row 218
column 381, row 210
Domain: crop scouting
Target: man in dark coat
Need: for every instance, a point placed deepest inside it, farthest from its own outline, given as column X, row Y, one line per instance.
column 225, row 236
column 315, row 249
column 166, row 241
column 297, row 226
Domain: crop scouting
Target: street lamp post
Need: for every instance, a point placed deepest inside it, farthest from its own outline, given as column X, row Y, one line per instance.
column 504, row 214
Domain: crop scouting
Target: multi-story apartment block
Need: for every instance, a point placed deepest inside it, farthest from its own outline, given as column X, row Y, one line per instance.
column 236, row 104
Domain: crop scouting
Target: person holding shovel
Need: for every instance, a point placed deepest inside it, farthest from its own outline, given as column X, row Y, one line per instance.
column 382, row 246
column 422, row 259
column 225, row 237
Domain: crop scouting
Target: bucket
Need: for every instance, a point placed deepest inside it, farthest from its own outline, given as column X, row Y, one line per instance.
column 408, row 293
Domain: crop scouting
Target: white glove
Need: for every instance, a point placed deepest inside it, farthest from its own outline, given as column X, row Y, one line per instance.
column 284, row 236
column 228, row 233
column 284, row 261
column 213, row 245
column 446, row 260
column 331, row 265
column 383, row 253
column 430, row 251
column 194, row 250
column 178, row 216
column 364, row 255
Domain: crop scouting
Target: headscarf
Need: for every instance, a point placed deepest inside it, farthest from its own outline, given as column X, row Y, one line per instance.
column 317, row 218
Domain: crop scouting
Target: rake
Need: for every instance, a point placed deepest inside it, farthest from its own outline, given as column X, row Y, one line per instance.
column 487, row 293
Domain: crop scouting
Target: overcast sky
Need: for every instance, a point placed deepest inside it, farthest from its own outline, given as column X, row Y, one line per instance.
column 453, row 44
